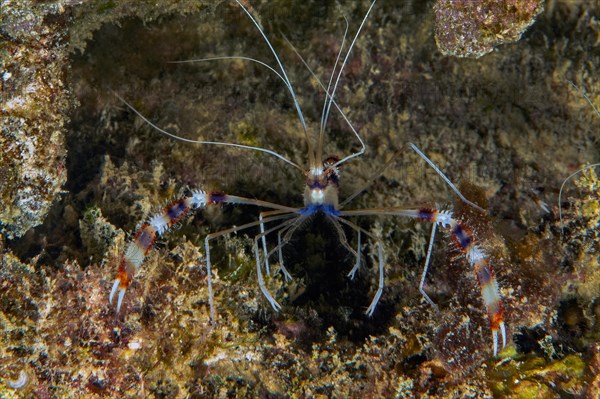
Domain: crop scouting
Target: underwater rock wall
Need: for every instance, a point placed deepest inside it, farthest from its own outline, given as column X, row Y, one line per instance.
column 35, row 105
column 474, row 28
column 507, row 126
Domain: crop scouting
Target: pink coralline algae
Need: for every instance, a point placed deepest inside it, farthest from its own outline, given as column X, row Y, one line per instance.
column 467, row 28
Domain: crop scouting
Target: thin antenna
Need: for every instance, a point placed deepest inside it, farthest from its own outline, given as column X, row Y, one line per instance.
column 247, row 147
column 585, row 96
column 311, row 154
column 326, row 102
column 562, row 227
column 342, row 68
column 371, row 179
column 235, row 57
column 443, row 176
column 343, row 115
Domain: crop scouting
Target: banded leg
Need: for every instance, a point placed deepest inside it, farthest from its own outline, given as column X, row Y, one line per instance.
column 145, row 236
column 472, row 251
column 478, row 259
column 161, row 222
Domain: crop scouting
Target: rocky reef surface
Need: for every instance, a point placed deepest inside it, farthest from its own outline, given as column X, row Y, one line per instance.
column 507, row 127
column 35, row 104
column 466, row 28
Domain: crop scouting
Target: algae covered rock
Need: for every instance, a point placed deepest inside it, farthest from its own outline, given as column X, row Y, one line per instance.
column 34, row 103
column 467, row 28
column 472, row 117
column 36, row 43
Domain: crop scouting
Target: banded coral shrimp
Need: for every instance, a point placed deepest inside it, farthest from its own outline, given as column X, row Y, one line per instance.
column 320, row 197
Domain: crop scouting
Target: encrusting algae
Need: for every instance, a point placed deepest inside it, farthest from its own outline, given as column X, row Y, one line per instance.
column 466, row 28
column 34, row 105
column 507, row 126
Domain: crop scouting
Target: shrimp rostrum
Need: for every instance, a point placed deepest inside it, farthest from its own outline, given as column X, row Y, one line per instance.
column 322, row 179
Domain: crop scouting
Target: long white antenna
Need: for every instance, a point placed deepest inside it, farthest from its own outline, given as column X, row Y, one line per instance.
column 235, row 57
column 311, row 154
column 343, row 115
column 172, row 135
column 340, row 74
column 562, row 227
column 443, row 176
column 585, row 96
column 326, row 102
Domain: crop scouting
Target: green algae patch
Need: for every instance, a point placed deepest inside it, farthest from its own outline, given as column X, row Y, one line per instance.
column 535, row 377
column 246, row 133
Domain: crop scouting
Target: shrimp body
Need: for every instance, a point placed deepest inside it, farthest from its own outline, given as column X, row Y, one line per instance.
column 321, row 196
